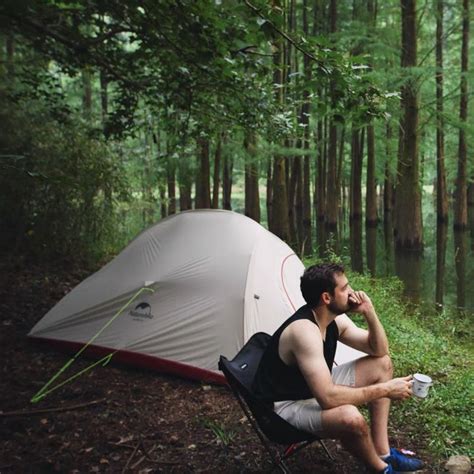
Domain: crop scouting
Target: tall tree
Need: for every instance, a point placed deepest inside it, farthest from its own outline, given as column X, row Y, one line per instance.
column 252, row 196
column 441, row 191
column 87, row 92
column 332, row 209
column 279, row 213
column 227, row 179
column 408, row 220
column 355, row 199
column 460, row 206
column 203, row 192
column 217, row 173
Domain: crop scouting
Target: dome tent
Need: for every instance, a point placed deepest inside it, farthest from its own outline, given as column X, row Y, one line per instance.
column 217, row 278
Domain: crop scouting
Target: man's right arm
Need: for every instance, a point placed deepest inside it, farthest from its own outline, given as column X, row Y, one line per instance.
column 307, row 348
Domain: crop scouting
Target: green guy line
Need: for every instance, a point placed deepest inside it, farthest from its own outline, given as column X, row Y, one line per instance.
column 104, row 361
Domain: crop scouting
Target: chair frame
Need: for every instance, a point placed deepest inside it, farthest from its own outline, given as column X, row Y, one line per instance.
column 296, row 439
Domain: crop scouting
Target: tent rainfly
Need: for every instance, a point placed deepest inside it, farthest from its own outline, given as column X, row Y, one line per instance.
column 217, row 278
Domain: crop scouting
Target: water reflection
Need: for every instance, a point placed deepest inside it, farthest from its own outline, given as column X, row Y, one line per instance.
column 389, row 247
column 371, row 248
column 408, row 269
column 357, row 263
column 460, row 255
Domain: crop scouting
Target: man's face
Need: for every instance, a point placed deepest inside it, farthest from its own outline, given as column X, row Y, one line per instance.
column 340, row 300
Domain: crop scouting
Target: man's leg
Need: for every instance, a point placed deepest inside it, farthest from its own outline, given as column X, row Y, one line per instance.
column 368, row 371
column 345, row 423
column 348, row 424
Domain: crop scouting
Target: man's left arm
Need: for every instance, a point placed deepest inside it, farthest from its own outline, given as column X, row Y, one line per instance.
column 372, row 340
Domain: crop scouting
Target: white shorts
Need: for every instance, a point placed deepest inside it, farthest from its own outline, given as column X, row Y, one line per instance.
column 306, row 414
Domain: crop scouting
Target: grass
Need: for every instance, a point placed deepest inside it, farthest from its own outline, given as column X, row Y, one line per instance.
column 440, row 345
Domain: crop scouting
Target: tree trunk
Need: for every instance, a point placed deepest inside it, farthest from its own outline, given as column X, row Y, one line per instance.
column 171, row 181
column 306, row 235
column 371, row 217
column 252, row 196
column 227, row 181
column 279, row 216
column 441, row 191
column 460, row 205
column 269, row 194
column 441, row 240
column 203, row 192
column 332, row 208
column 293, row 173
column 321, row 187
column 217, row 173
column 10, row 48
column 87, row 92
column 408, row 225
column 104, row 99
column 355, row 200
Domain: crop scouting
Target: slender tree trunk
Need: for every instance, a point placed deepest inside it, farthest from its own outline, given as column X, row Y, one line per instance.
column 203, row 192
column 227, row 180
column 87, row 92
column 441, row 191
column 409, row 232
column 460, row 206
column 279, row 215
column 321, row 187
column 217, row 173
column 269, row 194
column 371, row 217
column 293, row 173
column 441, row 240
column 252, row 196
column 171, row 181
column 104, row 98
column 355, row 200
column 10, row 49
column 298, row 199
column 185, row 186
column 332, row 209
column 306, row 235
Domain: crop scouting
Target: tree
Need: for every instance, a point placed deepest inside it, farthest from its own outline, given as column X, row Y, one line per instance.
column 460, row 206
column 408, row 221
column 441, row 190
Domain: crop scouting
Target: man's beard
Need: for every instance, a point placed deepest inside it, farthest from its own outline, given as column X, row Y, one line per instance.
column 337, row 308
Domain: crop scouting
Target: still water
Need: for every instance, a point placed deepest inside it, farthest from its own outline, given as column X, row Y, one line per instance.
column 443, row 273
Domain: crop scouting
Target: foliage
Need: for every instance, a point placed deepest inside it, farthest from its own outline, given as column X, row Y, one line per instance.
column 58, row 185
column 431, row 343
column 222, row 434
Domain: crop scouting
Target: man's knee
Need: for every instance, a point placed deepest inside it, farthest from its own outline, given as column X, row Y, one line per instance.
column 386, row 366
column 352, row 420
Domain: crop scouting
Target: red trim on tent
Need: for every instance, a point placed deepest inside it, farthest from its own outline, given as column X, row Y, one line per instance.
column 283, row 280
column 136, row 359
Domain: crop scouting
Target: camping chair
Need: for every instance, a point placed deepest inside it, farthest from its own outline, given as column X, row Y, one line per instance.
column 240, row 372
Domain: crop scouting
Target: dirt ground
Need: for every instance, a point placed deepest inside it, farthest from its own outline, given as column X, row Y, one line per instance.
column 118, row 419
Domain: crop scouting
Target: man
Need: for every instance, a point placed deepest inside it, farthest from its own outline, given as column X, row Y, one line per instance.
column 296, row 371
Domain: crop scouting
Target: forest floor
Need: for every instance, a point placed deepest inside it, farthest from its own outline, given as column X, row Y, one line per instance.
column 118, row 419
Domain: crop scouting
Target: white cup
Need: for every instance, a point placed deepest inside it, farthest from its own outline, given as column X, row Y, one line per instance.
column 421, row 385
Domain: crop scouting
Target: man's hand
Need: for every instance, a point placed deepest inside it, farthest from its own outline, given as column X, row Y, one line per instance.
column 400, row 388
column 359, row 302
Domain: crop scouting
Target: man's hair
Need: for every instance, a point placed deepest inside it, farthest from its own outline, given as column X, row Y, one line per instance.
column 317, row 279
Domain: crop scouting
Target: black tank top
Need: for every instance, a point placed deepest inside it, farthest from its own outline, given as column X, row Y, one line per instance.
column 276, row 381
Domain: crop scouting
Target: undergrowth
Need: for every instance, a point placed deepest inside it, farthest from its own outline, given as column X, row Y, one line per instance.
column 438, row 344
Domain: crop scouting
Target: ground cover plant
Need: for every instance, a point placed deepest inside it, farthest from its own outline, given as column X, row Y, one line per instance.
column 435, row 343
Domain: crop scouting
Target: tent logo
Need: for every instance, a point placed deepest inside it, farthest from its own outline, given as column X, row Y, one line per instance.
column 142, row 310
